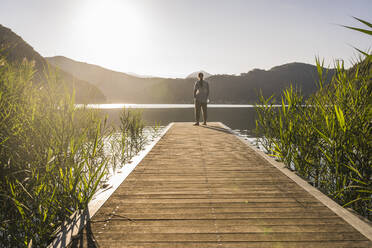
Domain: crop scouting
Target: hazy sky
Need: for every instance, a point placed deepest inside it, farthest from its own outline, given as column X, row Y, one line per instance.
column 176, row 37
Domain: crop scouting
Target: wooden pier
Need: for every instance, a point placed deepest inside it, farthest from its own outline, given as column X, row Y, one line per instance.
column 204, row 187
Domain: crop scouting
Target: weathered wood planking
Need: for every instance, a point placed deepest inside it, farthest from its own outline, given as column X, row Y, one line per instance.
column 203, row 187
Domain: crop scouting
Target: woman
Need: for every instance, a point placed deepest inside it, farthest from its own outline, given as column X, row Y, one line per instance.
column 201, row 94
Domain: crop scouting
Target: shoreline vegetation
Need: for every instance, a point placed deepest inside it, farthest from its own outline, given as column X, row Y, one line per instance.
column 328, row 143
column 54, row 156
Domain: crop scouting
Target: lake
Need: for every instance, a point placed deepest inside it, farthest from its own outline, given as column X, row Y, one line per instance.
column 237, row 117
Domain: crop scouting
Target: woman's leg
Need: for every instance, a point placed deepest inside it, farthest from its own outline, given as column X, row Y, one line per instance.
column 197, row 111
column 205, row 112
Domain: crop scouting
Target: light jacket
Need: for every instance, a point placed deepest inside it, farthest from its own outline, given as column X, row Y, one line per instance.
column 201, row 91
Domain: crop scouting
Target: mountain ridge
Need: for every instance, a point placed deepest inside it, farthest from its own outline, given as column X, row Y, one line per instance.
column 15, row 50
column 232, row 89
column 195, row 74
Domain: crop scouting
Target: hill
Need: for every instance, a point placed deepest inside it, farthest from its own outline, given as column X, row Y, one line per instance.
column 121, row 87
column 15, row 49
column 195, row 74
column 116, row 86
column 138, row 75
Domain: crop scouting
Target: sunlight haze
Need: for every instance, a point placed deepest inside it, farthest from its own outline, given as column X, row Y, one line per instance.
column 172, row 38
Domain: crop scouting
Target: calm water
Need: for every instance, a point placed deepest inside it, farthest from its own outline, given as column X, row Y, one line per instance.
column 237, row 117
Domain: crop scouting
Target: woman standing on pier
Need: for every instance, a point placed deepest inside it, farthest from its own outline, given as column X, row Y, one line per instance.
column 201, row 94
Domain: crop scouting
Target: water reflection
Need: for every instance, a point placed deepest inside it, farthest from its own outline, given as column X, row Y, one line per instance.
column 236, row 116
column 159, row 106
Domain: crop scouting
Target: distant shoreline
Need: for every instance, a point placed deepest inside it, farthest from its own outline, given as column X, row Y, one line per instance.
column 161, row 106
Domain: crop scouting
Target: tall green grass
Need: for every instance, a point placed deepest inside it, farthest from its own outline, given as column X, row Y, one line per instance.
column 129, row 138
column 327, row 138
column 53, row 156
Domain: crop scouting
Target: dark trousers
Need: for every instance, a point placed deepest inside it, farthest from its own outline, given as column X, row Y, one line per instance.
column 198, row 107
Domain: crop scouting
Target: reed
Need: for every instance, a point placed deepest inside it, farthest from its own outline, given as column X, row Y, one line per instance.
column 128, row 139
column 53, row 156
column 326, row 139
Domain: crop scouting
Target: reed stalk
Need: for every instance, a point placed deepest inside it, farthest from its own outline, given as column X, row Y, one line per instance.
column 327, row 138
column 53, row 155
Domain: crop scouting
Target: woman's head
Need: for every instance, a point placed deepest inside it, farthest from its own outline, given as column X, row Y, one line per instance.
column 200, row 75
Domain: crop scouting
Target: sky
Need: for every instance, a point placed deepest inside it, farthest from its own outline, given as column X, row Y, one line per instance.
column 172, row 38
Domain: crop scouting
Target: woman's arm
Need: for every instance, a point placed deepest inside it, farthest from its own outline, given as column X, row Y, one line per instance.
column 195, row 89
column 207, row 90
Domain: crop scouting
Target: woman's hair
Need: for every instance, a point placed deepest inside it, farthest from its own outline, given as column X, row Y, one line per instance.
column 200, row 76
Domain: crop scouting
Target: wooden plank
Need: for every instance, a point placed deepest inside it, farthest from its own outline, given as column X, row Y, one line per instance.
column 202, row 187
column 322, row 244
